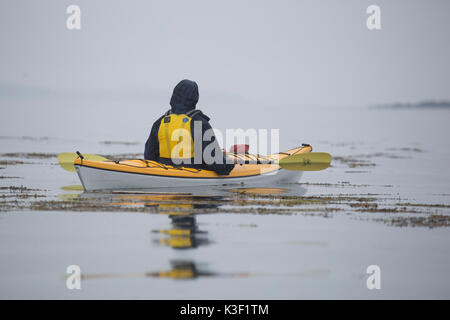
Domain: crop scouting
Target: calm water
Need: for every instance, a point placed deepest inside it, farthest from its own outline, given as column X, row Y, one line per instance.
column 208, row 243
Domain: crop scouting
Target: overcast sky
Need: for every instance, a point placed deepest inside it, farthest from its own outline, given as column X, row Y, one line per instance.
column 290, row 52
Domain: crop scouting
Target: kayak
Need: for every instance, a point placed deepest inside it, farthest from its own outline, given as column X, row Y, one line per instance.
column 145, row 174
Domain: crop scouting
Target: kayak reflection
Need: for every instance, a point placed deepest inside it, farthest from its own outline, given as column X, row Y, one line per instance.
column 189, row 270
column 260, row 191
column 184, row 233
column 180, row 269
column 171, row 204
column 202, row 198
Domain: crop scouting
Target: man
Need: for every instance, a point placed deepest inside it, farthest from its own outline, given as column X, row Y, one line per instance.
column 178, row 137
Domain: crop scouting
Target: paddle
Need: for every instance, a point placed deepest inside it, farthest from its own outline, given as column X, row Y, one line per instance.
column 311, row 161
column 66, row 159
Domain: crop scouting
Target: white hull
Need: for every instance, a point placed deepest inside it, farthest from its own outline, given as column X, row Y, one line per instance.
column 97, row 179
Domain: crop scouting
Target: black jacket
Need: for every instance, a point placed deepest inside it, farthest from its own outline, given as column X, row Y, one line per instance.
column 184, row 98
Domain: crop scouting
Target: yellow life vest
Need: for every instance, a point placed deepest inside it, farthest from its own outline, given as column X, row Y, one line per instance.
column 175, row 137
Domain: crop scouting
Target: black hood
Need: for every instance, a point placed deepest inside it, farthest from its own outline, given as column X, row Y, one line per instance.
column 184, row 97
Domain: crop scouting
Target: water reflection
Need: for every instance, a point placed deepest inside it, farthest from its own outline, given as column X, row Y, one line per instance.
column 172, row 204
column 184, row 233
column 173, row 201
column 260, row 191
column 181, row 210
column 190, row 270
column 196, row 194
column 180, row 269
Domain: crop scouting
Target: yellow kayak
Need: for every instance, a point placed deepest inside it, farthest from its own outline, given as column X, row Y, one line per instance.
column 145, row 174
